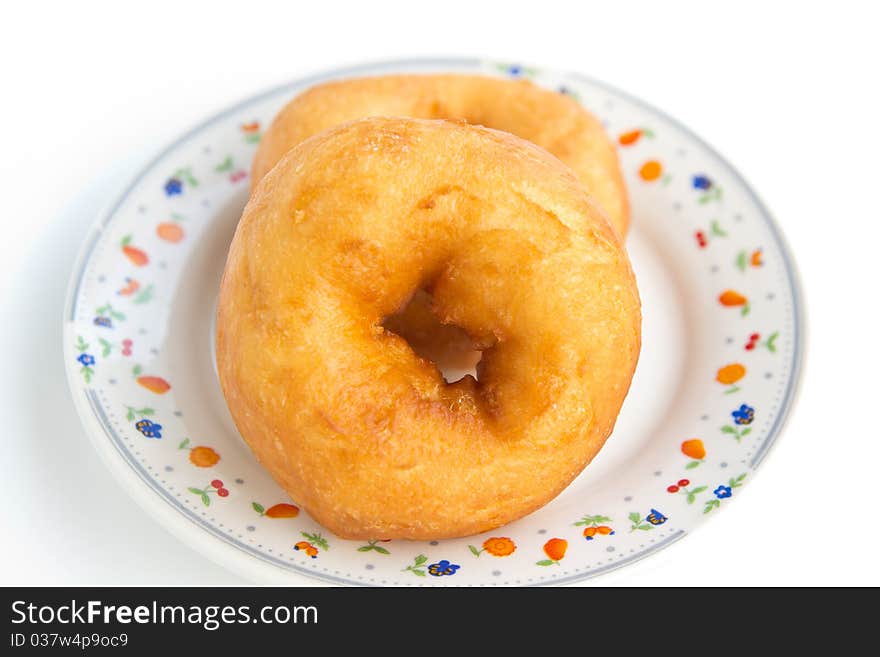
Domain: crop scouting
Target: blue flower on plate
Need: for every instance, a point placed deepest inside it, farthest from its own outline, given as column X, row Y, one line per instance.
column 87, row 360
column 745, row 414
column 515, row 70
column 723, row 492
column 702, row 182
column 656, row 518
column 173, row 186
column 442, row 568
column 149, row 428
column 106, row 322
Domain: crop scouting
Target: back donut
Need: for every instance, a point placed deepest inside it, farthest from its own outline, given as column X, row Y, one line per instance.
column 551, row 120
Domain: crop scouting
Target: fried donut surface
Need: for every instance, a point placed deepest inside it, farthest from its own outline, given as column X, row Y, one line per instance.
column 364, row 434
column 549, row 119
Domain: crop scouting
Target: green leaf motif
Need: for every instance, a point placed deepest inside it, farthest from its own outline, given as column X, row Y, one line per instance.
column 699, row 489
column 635, row 518
column 105, row 347
column 742, row 261
column 692, row 465
column 144, row 412
column 125, row 240
column 372, row 546
column 196, row 491
column 81, row 345
column 136, row 370
column 716, row 229
column 474, row 550
column 186, row 174
column 713, row 195
column 592, row 520
column 417, row 564
column 144, row 295
column 546, row 562
column 728, row 429
column 317, row 539
column 183, row 443
column 259, row 508
column 646, row 527
column 206, row 500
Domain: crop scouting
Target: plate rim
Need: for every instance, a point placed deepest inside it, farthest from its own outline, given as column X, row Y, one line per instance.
column 256, row 568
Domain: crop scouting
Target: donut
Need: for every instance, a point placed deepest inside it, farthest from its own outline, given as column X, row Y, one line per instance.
column 360, row 431
column 552, row 120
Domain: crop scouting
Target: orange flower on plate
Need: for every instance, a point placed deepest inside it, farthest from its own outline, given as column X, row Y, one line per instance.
column 694, row 448
column 732, row 298
column 651, row 170
column 730, row 374
column 203, row 457
column 282, row 511
column 555, row 549
column 137, row 256
column 154, row 384
column 499, row 547
column 631, row 137
column 170, row 232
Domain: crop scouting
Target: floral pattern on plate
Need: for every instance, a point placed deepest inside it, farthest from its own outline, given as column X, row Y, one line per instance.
column 719, row 365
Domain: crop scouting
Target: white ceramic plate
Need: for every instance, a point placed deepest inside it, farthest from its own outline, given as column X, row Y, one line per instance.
column 720, row 361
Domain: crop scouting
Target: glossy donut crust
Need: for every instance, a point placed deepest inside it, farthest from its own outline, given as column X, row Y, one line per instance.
column 360, row 431
column 549, row 119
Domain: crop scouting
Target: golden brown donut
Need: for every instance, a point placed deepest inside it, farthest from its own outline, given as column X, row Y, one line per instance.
column 551, row 120
column 360, row 431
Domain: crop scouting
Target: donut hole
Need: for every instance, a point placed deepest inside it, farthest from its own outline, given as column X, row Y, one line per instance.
column 447, row 346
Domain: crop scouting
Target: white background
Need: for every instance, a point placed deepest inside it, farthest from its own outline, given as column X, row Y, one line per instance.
column 786, row 93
